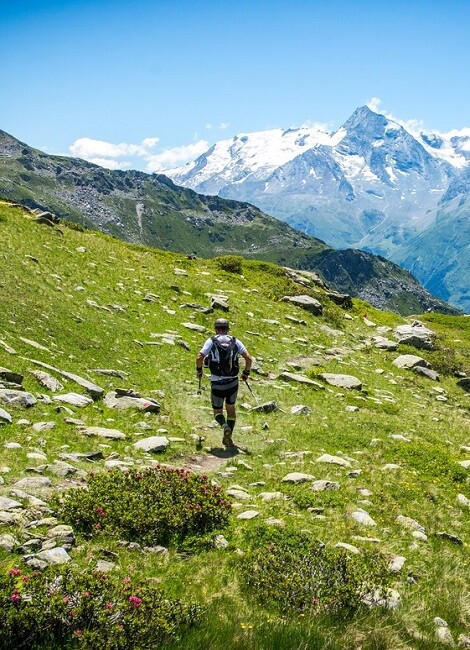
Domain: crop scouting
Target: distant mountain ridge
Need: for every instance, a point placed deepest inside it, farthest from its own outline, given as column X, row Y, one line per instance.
column 150, row 209
column 372, row 185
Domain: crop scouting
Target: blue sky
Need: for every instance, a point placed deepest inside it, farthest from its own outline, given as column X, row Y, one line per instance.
column 150, row 84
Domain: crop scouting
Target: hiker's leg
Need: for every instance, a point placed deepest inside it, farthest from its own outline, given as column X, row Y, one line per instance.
column 218, row 407
column 230, row 407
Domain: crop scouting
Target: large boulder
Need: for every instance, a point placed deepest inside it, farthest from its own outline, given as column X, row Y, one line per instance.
column 308, row 303
column 410, row 361
column 341, row 381
column 16, row 397
column 416, row 335
column 146, row 404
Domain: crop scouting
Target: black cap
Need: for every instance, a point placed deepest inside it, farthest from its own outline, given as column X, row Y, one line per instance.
column 222, row 324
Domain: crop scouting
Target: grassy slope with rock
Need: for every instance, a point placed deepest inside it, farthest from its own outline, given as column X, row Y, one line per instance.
column 149, row 209
column 80, row 295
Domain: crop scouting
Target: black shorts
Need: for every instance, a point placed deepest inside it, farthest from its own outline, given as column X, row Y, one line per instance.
column 224, row 392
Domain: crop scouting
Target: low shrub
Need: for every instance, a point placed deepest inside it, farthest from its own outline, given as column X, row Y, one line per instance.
column 288, row 570
column 432, row 462
column 230, row 263
column 155, row 505
column 67, row 609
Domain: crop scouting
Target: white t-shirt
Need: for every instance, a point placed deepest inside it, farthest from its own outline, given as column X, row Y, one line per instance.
column 223, row 338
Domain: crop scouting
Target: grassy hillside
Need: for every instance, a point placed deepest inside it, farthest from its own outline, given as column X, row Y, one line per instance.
column 93, row 302
column 150, row 209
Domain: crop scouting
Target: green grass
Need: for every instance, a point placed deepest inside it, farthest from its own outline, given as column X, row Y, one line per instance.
column 53, row 301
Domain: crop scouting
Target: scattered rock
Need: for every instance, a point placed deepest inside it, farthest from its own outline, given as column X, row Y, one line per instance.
column 248, row 514
column 323, row 486
column 410, row 523
column 154, row 444
column 16, row 398
column 75, row 399
column 297, row 477
column 47, row 380
column 301, row 409
column 333, row 460
column 416, row 335
column 5, row 416
column 308, row 303
column 410, row 361
column 426, row 372
column 148, row 405
column 362, row 517
column 348, row 547
column 267, row 407
column 102, row 432
column 301, row 379
column 343, row 381
column 54, row 556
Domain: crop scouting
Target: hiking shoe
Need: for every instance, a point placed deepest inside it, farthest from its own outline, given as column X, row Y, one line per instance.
column 227, row 439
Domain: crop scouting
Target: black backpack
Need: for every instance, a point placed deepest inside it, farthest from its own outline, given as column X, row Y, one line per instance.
column 223, row 357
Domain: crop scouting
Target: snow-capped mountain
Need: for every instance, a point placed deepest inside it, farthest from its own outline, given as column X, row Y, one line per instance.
column 372, row 184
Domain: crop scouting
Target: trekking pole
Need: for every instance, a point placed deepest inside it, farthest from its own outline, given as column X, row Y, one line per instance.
column 252, row 393
column 199, row 390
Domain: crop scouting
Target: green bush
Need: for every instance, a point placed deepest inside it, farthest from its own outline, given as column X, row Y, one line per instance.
column 230, row 263
column 155, row 505
column 288, row 570
column 432, row 462
column 67, row 609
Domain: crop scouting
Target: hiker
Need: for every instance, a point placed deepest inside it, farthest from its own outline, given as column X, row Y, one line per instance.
column 222, row 351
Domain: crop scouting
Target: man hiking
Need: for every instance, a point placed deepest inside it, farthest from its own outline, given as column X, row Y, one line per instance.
column 222, row 351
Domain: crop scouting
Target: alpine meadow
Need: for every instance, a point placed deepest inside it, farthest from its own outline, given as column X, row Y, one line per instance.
column 340, row 520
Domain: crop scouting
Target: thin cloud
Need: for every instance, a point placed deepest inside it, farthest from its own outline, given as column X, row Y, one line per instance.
column 176, row 156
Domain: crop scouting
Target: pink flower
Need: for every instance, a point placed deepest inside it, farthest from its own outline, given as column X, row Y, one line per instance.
column 15, row 597
column 101, row 511
column 98, row 526
column 126, row 581
column 15, row 572
column 135, row 601
column 86, row 594
column 109, row 605
column 78, row 632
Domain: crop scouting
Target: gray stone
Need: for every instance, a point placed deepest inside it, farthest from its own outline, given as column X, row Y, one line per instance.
column 16, row 398
column 272, row 496
column 33, row 483
column 348, row 547
column 125, row 402
column 426, row 372
column 238, row 494
column 267, row 407
column 444, row 636
column 463, row 501
column 409, row 361
column 154, row 443
column 301, row 409
column 103, row 566
column 300, row 379
column 464, row 383
column 8, row 542
column 308, row 303
column 12, row 445
column 396, row 563
column 248, row 514
column 362, row 517
column 5, row 416
column 465, row 464
column 219, row 541
column 297, row 477
column 47, row 380
column 384, row 344
column 342, row 381
column 75, row 399
column 410, row 523
column 95, row 391
column 194, row 327
column 9, row 375
column 416, row 335
column 103, row 432
column 43, row 426
column 322, row 486
column 333, row 460
column 9, row 504
column 54, row 556
column 59, row 468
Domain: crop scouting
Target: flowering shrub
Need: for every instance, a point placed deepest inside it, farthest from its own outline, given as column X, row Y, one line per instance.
column 68, row 609
column 150, row 506
column 289, row 570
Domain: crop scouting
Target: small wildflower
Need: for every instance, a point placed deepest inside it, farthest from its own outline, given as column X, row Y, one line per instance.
column 109, row 605
column 126, row 581
column 101, row 511
column 97, row 526
column 15, row 572
column 86, row 594
column 135, row 601
column 15, row 597
column 78, row 632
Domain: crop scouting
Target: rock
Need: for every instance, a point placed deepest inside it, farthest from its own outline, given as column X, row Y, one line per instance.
column 75, row 399
column 272, row 521
column 103, row 566
column 443, row 635
column 47, row 380
column 465, row 464
column 102, row 432
column 384, row 344
column 301, row 409
column 147, row 405
column 409, row 361
column 297, row 477
column 396, row 563
column 390, row 599
column 342, row 299
column 248, row 514
column 9, row 504
column 194, row 327
column 61, row 469
column 450, row 538
column 35, row 563
column 43, row 426
column 362, row 517
column 7, row 348
column 343, row 381
column 333, row 460
column 12, row 445
column 351, row 409
column 62, row 532
column 16, row 398
column 111, row 373
column 267, row 407
column 219, row 541
column 308, row 303
column 410, row 523
column 33, row 483
column 271, row 496
column 348, row 547
column 322, row 486
column 464, row 641
column 464, row 383
column 5, row 416
column 217, row 302
column 90, row 455
column 9, row 375
column 154, row 443
column 301, row 379
column 8, row 542
column 238, row 493
column 426, row 372
column 95, row 391
column 54, row 556
column 463, row 501
column 415, row 335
